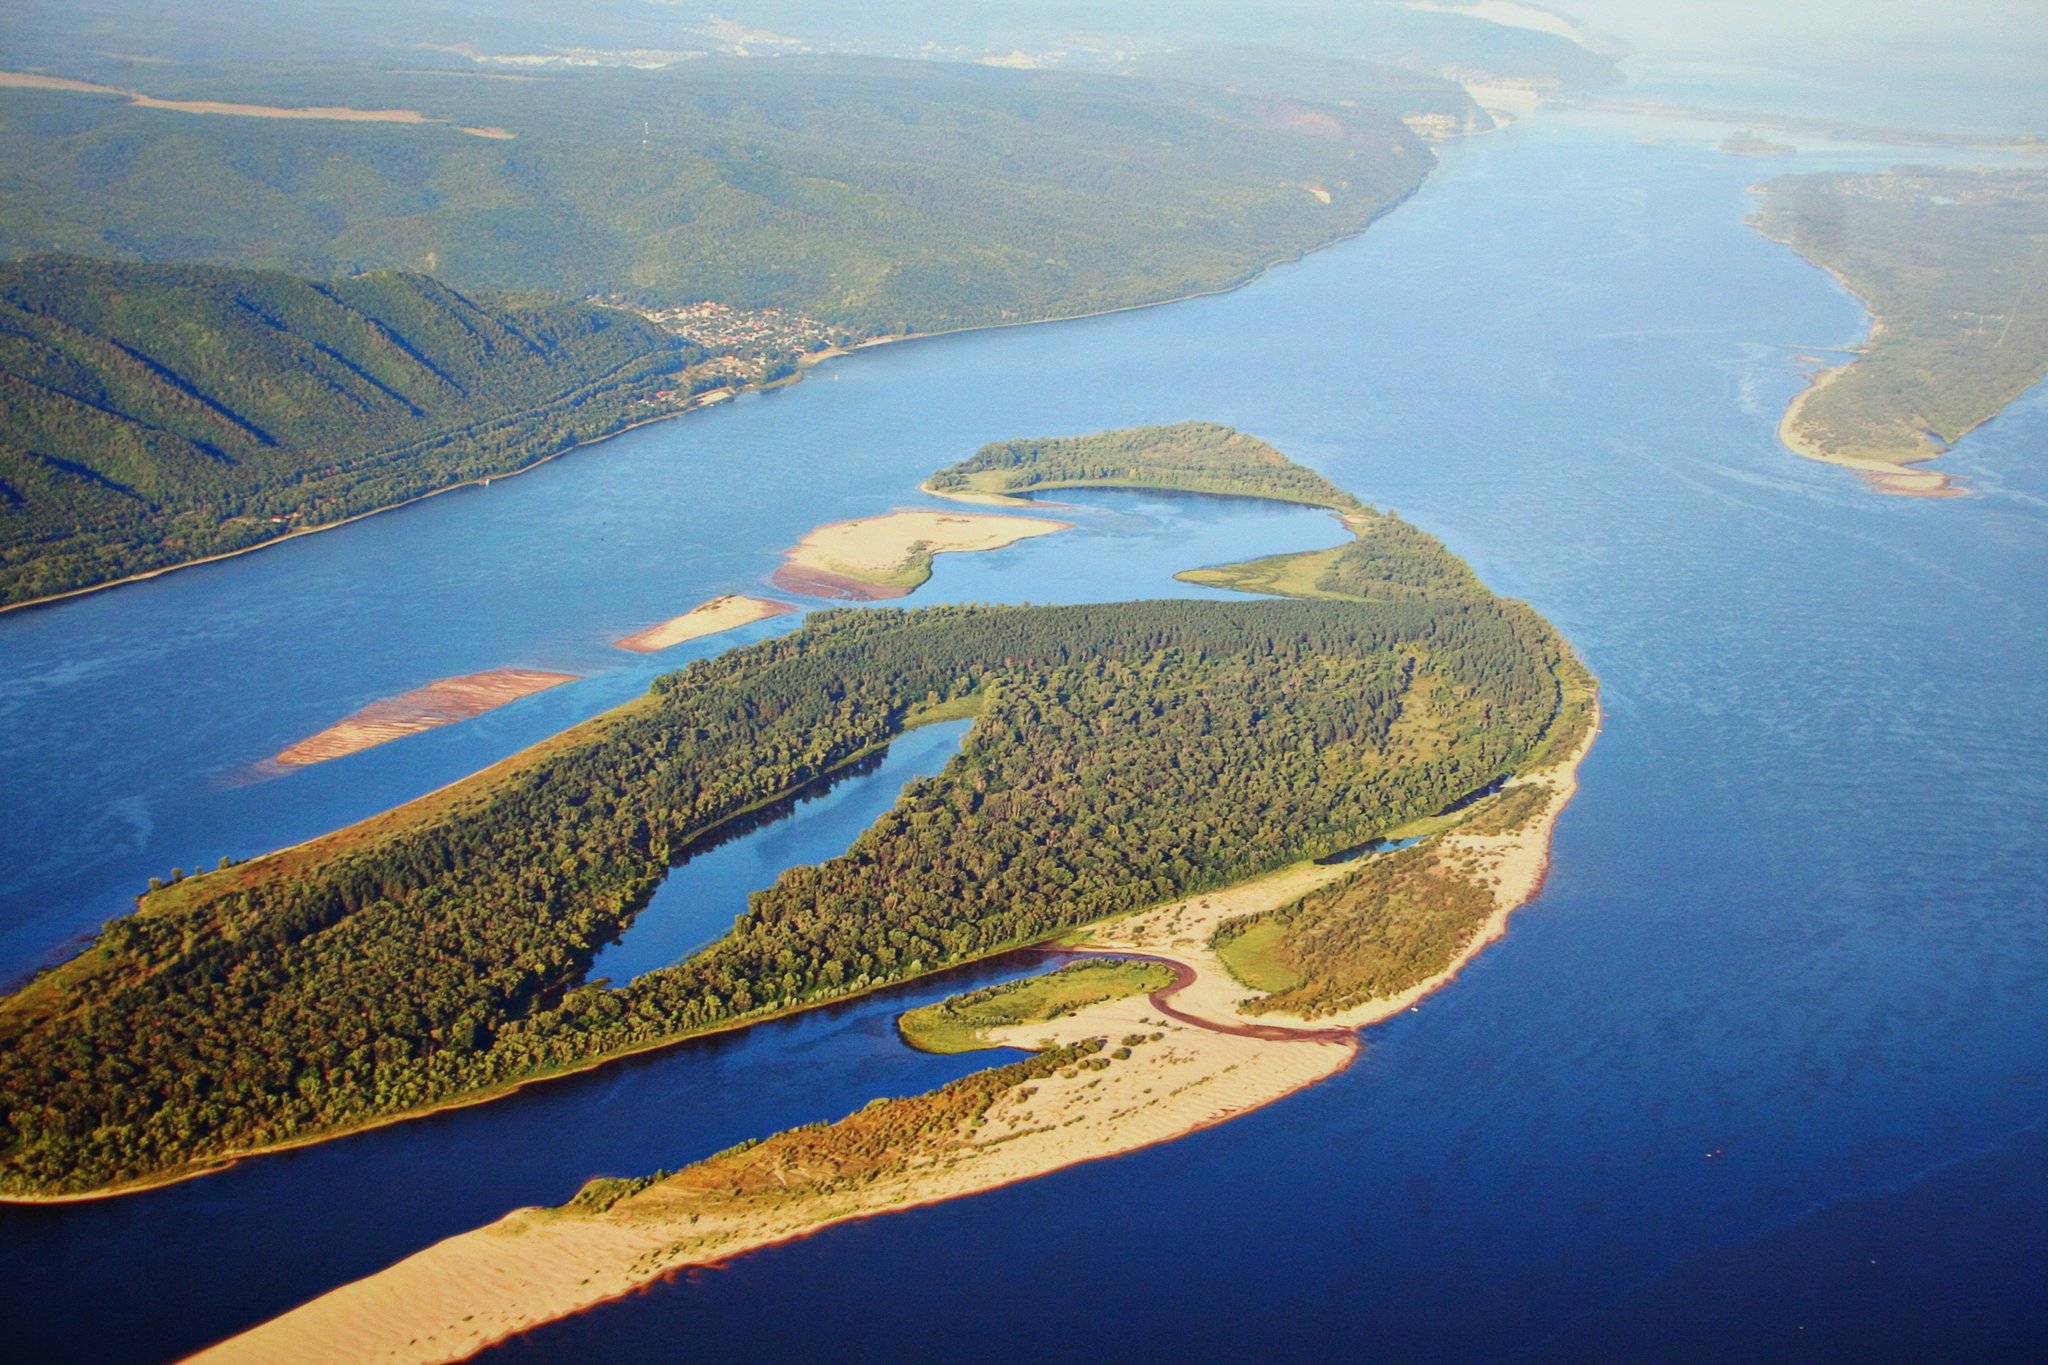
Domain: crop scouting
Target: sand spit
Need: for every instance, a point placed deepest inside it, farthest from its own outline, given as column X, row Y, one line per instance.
column 427, row 708
column 1880, row 475
column 22, row 80
column 1204, row 1062
column 877, row 558
column 719, row 614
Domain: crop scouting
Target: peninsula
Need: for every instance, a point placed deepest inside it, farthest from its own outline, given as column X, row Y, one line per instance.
column 1124, row 756
column 426, row 708
column 1953, row 268
column 880, row 558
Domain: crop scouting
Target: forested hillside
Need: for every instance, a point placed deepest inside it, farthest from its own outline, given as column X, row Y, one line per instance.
column 1193, row 457
column 884, row 196
column 1123, row 755
column 1345, row 82
column 158, row 414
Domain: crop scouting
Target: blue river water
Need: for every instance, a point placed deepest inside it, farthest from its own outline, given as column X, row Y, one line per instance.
column 1780, row 1004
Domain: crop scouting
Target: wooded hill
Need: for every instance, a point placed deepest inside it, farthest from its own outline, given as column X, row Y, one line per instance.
column 883, row 196
column 1124, row 755
column 158, row 414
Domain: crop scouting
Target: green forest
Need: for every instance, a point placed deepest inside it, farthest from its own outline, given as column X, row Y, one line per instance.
column 1954, row 264
column 1343, row 82
column 1123, row 755
column 159, row 414
column 883, row 196
column 1192, row 457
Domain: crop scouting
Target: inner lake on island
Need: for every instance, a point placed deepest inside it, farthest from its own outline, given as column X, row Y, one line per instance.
column 1778, row 1005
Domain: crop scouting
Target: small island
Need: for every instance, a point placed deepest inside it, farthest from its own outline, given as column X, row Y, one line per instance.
column 877, row 559
column 1953, row 267
column 1746, row 143
column 710, row 618
column 425, row 708
column 1190, row 457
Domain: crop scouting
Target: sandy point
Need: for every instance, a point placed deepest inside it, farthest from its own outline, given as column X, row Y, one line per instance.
column 426, row 708
column 875, row 558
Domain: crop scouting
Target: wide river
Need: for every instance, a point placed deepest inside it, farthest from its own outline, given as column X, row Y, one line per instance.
column 1759, row 1075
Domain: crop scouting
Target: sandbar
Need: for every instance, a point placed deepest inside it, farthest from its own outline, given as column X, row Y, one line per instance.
column 426, row 708
column 1199, row 1060
column 878, row 558
column 720, row 613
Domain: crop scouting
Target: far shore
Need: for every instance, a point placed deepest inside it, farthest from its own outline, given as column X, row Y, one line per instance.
column 1192, row 1059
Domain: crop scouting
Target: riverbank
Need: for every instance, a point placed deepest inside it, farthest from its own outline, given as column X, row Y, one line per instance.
column 1189, row 1058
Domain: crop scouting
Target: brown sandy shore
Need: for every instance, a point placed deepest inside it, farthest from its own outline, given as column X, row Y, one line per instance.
column 1205, row 1062
column 1880, row 475
column 879, row 558
column 719, row 614
column 426, row 708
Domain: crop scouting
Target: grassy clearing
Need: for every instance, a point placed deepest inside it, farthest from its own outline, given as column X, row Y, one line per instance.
column 1251, row 958
column 1294, row 575
column 961, row 1024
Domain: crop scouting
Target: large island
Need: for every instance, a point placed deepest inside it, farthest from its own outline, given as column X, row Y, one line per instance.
column 1206, row 1003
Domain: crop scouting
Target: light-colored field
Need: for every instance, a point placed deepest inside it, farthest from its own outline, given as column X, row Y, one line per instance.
column 427, row 708
column 22, row 80
column 890, row 556
column 1172, row 1063
column 720, row 613
column 1880, row 475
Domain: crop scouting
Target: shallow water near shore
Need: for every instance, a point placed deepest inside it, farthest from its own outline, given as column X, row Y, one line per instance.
column 1792, row 958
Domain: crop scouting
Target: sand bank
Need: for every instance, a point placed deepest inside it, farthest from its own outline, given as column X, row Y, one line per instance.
column 22, row 80
column 1202, row 1061
column 877, row 558
column 720, row 613
column 427, row 708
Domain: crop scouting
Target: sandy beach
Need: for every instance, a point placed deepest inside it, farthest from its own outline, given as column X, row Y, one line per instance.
column 1178, row 1061
column 426, row 708
column 878, row 558
column 719, row 614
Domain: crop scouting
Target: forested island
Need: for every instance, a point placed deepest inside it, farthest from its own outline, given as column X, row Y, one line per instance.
column 436, row 955
column 1953, row 266
column 161, row 414
column 1190, row 457
column 1206, row 1006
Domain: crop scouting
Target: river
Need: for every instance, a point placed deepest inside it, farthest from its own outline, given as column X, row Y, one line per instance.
column 1785, row 986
